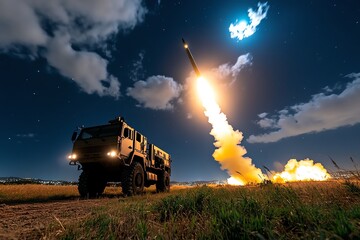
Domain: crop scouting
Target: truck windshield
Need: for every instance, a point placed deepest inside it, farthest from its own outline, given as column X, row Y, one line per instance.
column 99, row 132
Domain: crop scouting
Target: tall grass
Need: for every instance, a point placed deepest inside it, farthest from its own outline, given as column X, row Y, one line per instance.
column 292, row 211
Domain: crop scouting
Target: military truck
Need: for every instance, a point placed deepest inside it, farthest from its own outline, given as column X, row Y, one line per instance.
column 116, row 152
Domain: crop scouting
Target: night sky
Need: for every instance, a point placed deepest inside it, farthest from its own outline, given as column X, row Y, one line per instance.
column 67, row 63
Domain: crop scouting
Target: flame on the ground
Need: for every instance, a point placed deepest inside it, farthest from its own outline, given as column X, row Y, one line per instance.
column 303, row 170
column 235, row 182
column 229, row 153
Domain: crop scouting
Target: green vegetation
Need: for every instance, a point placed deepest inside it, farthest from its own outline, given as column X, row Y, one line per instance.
column 313, row 210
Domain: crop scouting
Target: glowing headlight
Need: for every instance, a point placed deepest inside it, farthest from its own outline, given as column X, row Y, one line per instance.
column 72, row 156
column 112, row 154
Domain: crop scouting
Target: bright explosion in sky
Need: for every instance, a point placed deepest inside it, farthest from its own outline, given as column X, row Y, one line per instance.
column 242, row 29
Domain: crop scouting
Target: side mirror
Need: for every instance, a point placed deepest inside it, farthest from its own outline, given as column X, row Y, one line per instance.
column 74, row 135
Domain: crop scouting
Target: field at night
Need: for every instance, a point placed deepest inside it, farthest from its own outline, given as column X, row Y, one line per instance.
column 299, row 210
column 249, row 111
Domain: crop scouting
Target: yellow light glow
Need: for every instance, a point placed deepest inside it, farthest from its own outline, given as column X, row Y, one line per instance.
column 303, row 170
column 205, row 91
column 186, row 46
column 72, row 156
column 112, row 154
column 235, row 182
column 229, row 153
column 212, row 109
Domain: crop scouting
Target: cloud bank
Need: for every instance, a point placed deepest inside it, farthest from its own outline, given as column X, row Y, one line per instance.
column 65, row 32
column 323, row 112
column 157, row 92
column 242, row 29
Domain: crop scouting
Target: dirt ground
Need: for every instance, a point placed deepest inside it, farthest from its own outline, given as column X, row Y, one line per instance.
column 43, row 220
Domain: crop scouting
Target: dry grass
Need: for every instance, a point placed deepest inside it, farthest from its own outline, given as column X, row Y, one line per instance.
column 35, row 193
column 304, row 210
column 301, row 210
column 42, row 193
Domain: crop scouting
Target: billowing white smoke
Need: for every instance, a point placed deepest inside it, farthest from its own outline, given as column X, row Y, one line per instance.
column 242, row 29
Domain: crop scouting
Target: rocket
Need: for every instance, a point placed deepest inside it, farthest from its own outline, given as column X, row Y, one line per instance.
column 191, row 58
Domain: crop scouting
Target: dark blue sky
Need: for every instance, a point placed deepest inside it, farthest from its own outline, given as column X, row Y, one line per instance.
column 301, row 49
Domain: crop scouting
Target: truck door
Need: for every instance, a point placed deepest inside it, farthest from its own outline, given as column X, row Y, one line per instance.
column 127, row 139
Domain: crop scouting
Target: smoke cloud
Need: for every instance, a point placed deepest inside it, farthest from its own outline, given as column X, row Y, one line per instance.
column 303, row 170
column 157, row 92
column 242, row 29
column 323, row 112
column 229, row 153
column 54, row 29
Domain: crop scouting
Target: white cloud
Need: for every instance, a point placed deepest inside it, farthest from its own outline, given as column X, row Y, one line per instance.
column 266, row 123
column 226, row 70
column 262, row 115
column 20, row 25
column 242, row 29
column 157, row 92
column 87, row 69
column 48, row 28
column 322, row 112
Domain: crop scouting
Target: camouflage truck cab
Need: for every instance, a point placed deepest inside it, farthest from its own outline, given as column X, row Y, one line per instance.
column 116, row 152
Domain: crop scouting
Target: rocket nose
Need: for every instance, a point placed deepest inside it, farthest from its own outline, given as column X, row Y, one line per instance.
column 185, row 44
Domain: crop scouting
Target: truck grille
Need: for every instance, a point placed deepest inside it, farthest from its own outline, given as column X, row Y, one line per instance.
column 92, row 152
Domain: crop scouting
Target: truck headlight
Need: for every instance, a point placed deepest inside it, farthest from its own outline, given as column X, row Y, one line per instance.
column 72, row 156
column 112, row 154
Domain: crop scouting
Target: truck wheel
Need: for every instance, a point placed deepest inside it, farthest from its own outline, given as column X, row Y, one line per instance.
column 90, row 186
column 100, row 186
column 133, row 182
column 163, row 182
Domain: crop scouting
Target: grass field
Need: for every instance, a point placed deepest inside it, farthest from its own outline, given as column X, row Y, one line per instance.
column 304, row 210
column 32, row 193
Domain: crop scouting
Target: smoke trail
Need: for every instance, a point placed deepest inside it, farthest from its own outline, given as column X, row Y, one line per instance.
column 242, row 29
column 229, row 153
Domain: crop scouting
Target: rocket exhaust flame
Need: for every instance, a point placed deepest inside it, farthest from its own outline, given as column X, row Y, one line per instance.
column 231, row 155
column 303, row 170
